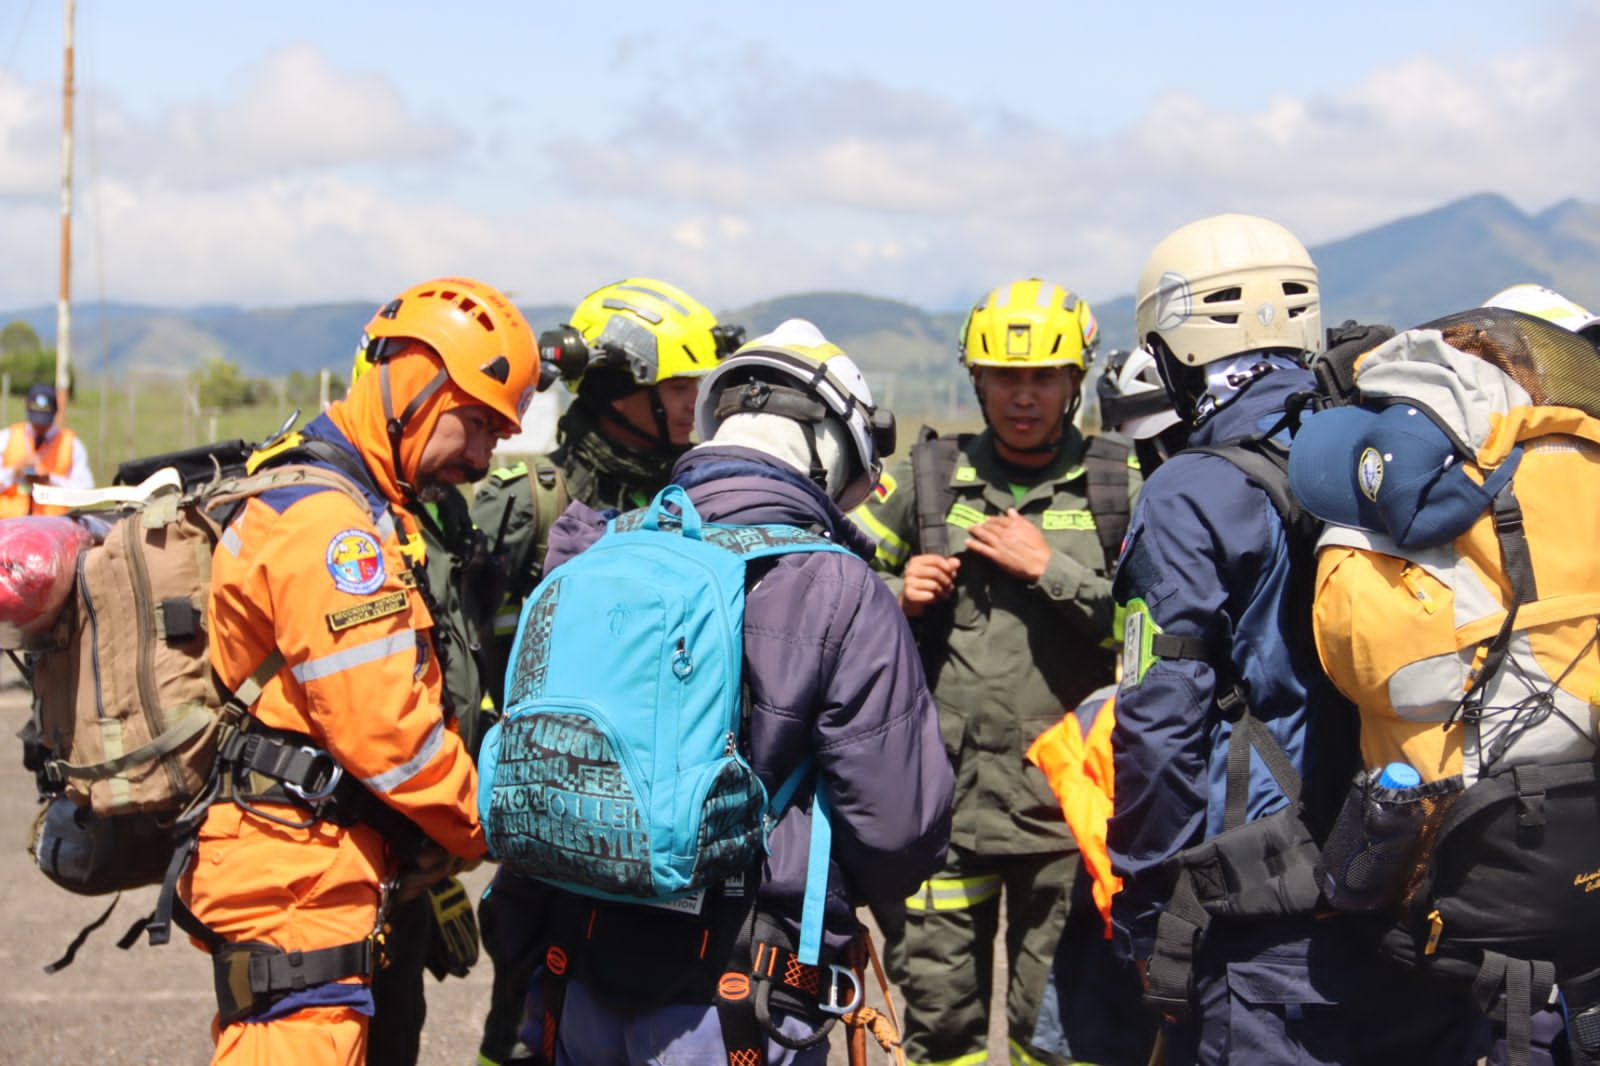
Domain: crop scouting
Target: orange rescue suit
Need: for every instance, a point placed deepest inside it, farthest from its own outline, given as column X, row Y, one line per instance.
column 324, row 581
column 1075, row 755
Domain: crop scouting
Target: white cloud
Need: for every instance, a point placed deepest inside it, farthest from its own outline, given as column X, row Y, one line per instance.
column 758, row 179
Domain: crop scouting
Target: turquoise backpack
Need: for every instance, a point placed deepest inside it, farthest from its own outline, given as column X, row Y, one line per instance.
column 617, row 771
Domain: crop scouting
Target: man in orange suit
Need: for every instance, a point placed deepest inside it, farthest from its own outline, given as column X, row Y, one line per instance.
column 324, row 603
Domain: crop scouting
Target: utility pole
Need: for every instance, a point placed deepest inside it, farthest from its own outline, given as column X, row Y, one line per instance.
column 64, row 301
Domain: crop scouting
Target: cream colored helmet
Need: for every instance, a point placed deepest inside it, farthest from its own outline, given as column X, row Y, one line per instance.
column 1226, row 285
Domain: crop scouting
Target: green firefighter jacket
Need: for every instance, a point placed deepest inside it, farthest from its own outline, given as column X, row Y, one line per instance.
column 1006, row 657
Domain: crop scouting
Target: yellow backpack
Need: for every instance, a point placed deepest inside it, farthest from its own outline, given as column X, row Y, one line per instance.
column 1462, row 621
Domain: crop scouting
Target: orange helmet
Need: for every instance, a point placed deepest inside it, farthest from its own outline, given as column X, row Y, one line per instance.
column 486, row 346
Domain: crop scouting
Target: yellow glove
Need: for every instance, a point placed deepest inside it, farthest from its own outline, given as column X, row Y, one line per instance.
column 454, row 948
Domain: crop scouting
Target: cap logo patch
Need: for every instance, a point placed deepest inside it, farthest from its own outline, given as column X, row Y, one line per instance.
column 355, row 561
column 1172, row 301
column 1369, row 473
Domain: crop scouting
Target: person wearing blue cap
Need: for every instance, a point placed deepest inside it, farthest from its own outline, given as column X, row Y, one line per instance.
column 39, row 452
column 1232, row 752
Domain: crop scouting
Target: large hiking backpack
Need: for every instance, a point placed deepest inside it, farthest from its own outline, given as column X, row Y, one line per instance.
column 619, row 771
column 127, row 713
column 128, row 707
column 1472, row 654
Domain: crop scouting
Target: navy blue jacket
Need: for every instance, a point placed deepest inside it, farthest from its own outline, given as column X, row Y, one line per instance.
column 1208, row 556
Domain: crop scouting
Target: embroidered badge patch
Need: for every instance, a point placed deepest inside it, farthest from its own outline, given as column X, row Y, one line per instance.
column 381, row 607
column 884, row 488
column 355, row 561
column 1369, row 473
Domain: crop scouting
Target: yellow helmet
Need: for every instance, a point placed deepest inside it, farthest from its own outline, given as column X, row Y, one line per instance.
column 1030, row 323
column 1226, row 285
column 649, row 329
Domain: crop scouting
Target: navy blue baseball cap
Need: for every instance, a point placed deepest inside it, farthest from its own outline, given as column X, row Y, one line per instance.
column 1392, row 471
column 41, row 404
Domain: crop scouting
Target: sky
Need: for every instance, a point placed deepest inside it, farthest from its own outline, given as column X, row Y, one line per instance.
column 270, row 155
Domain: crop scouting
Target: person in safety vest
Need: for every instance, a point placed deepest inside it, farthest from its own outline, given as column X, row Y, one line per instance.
column 1219, row 665
column 633, row 352
column 999, row 548
column 790, row 436
column 352, row 787
column 39, row 452
column 1094, row 995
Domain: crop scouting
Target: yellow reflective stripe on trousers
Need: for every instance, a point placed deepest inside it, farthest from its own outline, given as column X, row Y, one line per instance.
column 1020, row 1056
column 891, row 549
column 955, row 893
column 977, row 1058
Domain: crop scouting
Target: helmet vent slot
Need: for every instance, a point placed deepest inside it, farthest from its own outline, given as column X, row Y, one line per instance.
column 1223, row 295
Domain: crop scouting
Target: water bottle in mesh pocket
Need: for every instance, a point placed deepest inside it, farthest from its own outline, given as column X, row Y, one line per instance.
column 1379, row 844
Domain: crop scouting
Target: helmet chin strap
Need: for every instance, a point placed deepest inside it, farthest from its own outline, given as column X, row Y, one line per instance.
column 396, row 426
column 660, row 440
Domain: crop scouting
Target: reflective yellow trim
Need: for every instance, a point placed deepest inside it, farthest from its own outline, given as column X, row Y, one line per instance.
column 512, row 472
column 1073, row 474
column 964, row 517
column 977, row 1058
column 965, row 474
column 891, row 549
column 1068, row 520
column 1021, row 1057
column 954, row 894
column 1133, row 461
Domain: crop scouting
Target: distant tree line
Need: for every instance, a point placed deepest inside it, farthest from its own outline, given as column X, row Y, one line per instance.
column 219, row 384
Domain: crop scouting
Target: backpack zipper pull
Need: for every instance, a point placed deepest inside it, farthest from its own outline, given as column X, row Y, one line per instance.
column 682, row 664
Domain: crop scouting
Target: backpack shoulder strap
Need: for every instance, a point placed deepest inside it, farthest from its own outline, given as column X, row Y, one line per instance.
column 933, row 463
column 1266, row 463
column 1105, row 465
column 550, row 498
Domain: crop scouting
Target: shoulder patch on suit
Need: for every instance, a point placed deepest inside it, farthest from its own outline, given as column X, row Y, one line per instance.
column 885, row 487
column 355, row 561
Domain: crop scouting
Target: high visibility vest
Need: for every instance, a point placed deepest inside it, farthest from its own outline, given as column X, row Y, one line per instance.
column 1075, row 755
column 54, row 458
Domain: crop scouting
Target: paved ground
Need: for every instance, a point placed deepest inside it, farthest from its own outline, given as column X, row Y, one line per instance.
column 148, row 1006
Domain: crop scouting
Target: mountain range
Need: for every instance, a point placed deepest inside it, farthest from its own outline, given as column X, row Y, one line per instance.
column 1403, row 272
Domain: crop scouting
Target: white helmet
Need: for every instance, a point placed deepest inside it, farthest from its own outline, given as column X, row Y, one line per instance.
column 1549, row 305
column 795, row 372
column 1226, row 285
column 1132, row 398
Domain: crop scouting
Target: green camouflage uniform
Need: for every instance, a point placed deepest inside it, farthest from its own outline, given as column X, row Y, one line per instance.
column 1006, row 658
